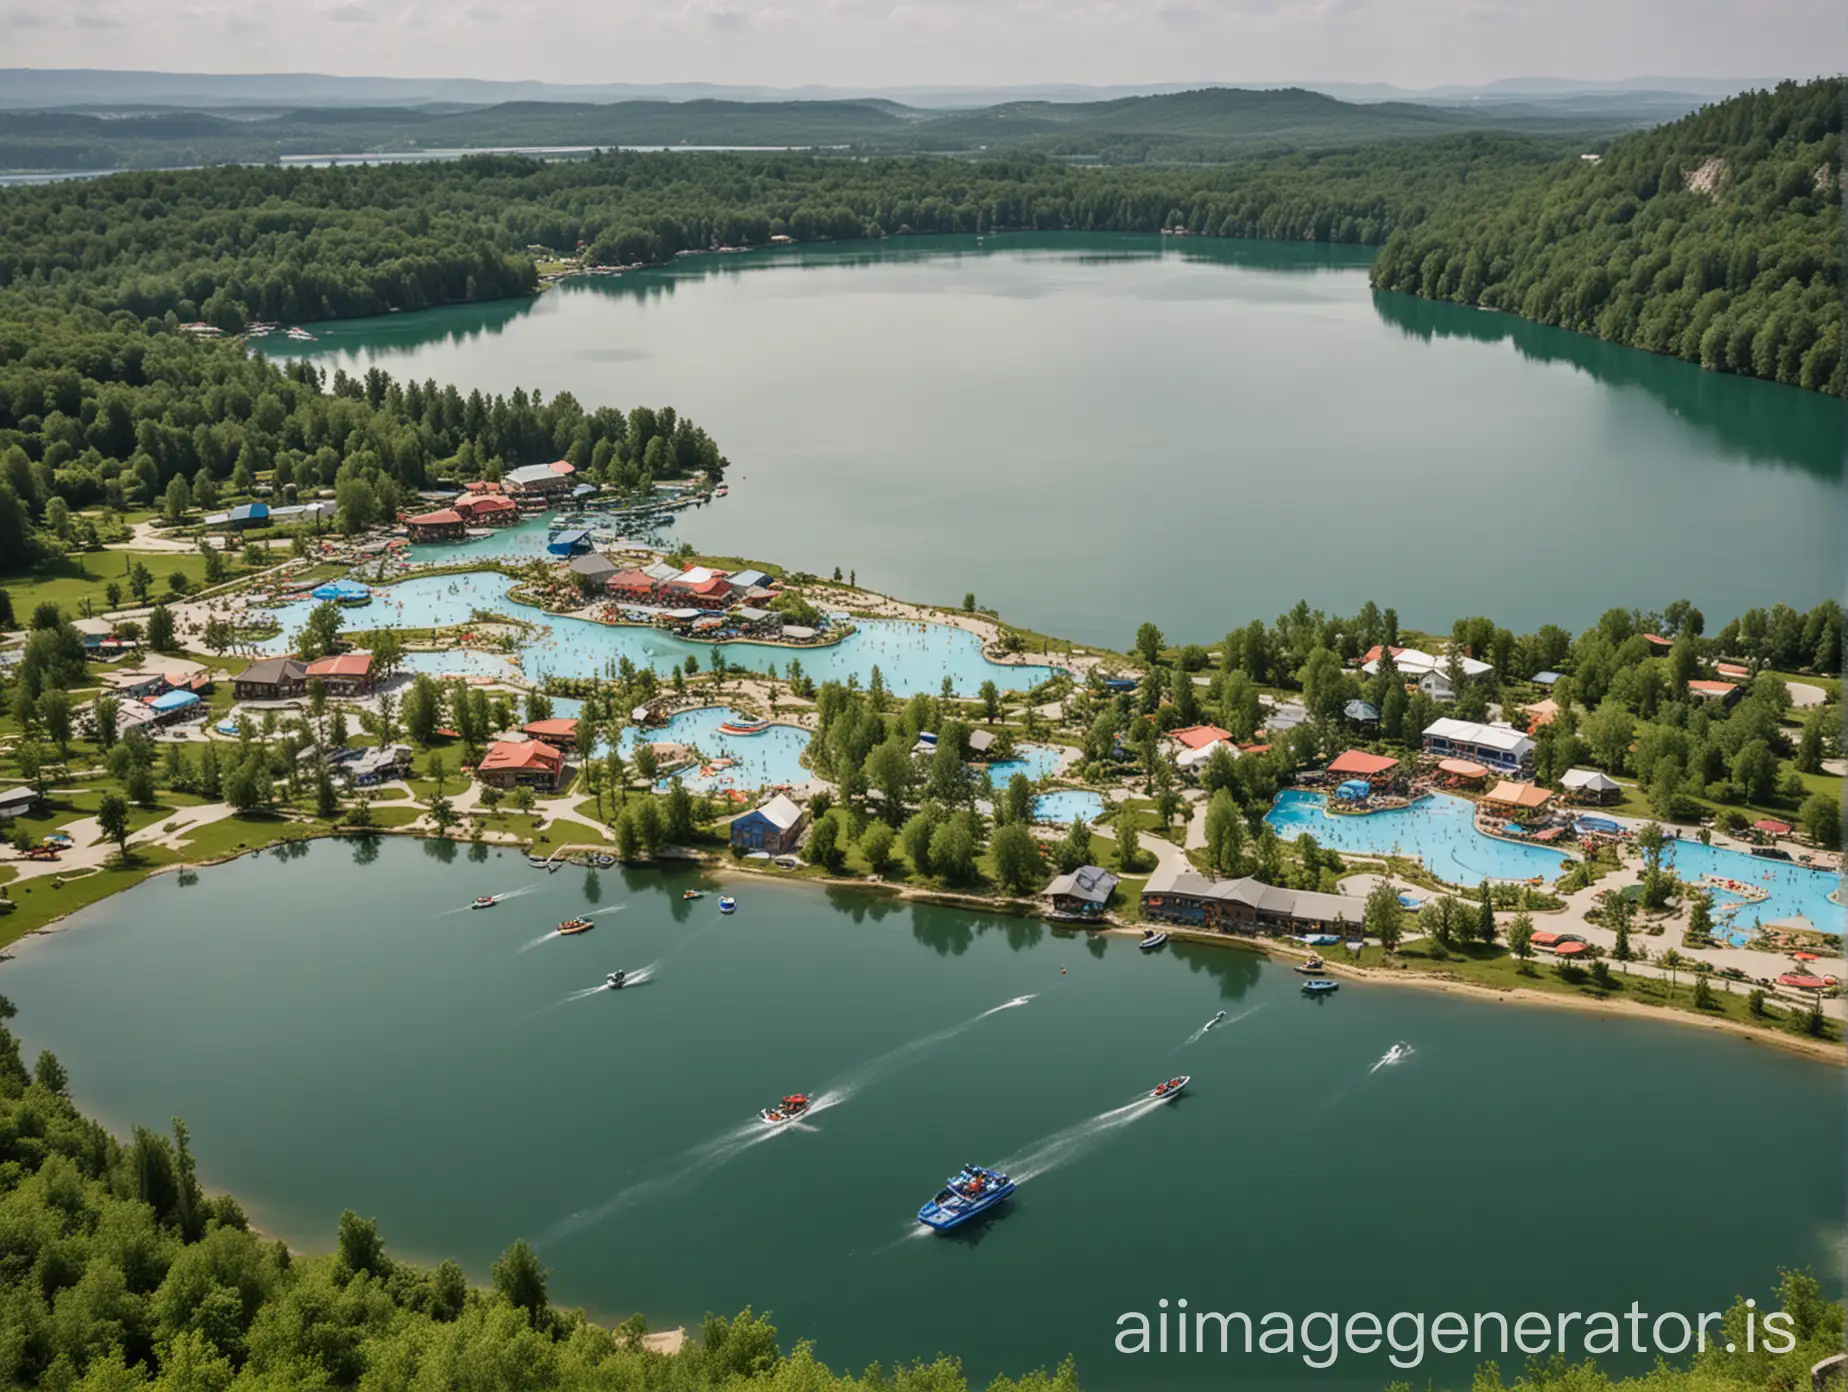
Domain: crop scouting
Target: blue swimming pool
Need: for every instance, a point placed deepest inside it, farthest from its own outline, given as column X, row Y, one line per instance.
column 1036, row 761
column 1065, row 805
column 1439, row 830
column 769, row 760
column 1790, row 889
column 911, row 657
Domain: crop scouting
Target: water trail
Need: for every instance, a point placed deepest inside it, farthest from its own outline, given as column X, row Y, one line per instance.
column 1398, row 1053
column 497, row 898
column 695, row 1163
column 1062, row 1147
column 543, row 937
column 613, row 908
column 1220, row 1021
column 881, row 1065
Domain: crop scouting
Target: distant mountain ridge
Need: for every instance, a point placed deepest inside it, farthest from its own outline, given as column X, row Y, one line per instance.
column 39, row 88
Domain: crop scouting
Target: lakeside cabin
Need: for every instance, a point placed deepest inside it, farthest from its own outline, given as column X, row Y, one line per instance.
column 538, row 486
column 510, row 764
column 1083, row 894
column 559, row 729
column 1245, row 906
column 1499, row 747
column 774, row 828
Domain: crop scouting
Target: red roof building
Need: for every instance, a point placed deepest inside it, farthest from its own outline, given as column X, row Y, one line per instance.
column 1658, row 642
column 445, row 524
column 561, row 728
column 1357, row 763
column 488, row 510
column 1770, row 826
column 521, row 763
column 1376, row 652
column 1199, row 736
column 1713, row 690
column 348, row 674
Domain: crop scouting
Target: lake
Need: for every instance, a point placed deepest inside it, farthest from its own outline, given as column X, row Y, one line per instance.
column 337, row 1029
column 1088, row 431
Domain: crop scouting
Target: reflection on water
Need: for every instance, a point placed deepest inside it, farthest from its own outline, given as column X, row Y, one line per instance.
column 1765, row 423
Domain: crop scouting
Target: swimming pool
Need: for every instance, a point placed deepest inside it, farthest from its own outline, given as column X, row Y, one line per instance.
column 1063, row 806
column 1790, row 889
column 911, row 657
column 1036, row 761
column 1439, row 830
column 768, row 760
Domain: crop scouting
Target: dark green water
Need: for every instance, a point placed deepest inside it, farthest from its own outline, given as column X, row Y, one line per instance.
column 336, row 1034
column 1058, row 422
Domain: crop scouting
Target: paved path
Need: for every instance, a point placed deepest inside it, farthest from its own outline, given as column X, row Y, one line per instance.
column 90, row 850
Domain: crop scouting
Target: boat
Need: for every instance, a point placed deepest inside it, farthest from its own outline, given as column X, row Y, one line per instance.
column 1171, row 1088
column 603, row 860
column 614, row 980
column 1322, row 987
column 788, row 1109
column 573, row 926
column 727, row 903
column 1218, row 1019
column 694, row 894
column 1314, row 966
column 967, row 1194
column 483, row 901
column 1151, row 940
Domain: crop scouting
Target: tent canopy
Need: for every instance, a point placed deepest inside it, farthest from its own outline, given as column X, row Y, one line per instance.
column 1354, row 789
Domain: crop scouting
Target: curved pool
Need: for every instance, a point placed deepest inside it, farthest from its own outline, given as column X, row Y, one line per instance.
column 770, row 760
column 1439, row 830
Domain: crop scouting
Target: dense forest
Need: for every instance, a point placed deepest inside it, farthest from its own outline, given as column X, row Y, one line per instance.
column 1716, row 239
column 305, row 244
column 118, row 1272
column 97, row 409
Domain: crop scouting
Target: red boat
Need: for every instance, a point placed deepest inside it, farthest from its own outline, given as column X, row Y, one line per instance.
column 788, row 1109
column 1171, row 1088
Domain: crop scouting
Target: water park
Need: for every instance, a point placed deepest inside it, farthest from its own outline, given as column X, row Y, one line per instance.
column 726, row 751
column 1438, row 830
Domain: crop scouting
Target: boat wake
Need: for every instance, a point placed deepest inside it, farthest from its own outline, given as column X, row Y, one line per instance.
column 695, row 1163
column 1063, row 1147
column 497, row 898
column 543, row 937
column 1221, row 1020
column 613, row 908
column 904, row 1055
column 1398, row 1053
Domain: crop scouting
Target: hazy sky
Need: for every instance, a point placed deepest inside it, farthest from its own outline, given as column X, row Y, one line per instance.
column 892, row 42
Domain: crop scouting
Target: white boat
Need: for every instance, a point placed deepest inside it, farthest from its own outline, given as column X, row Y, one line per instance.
column 1315, row 966
column 1151, row 940
column 1217, row 1019
column 788, row 1109
column 614, row 980
column 483, row 901
column 727, row 903
column 1171, row 1088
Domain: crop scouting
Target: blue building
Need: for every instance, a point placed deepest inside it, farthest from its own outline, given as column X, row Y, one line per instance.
column 775, row 827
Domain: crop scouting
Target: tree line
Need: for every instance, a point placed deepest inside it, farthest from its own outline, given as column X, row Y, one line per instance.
column 1716, row 239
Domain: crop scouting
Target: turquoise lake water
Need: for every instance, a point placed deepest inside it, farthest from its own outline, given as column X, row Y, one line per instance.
column 1439, row 830
column 911, row 657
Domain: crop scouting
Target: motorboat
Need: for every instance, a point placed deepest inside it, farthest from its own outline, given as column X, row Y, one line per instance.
column 614, row 980
column 1322, row 987
column 1171, row 1088
column 572, row 926
column 1218, row 1019
column 1314, row 966
column 967, row 1194
column 483, row 901
column 1151, row 940
column 727, row 903
column 788, row 1109
column 694, row 894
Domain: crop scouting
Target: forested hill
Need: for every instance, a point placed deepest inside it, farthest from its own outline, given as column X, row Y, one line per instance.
column 243, row 242
column 1717, row 239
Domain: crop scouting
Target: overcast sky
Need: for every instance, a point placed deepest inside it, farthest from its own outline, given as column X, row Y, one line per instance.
column 863, row 43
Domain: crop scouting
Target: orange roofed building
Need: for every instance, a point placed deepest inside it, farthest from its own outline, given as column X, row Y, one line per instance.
column 512, row 764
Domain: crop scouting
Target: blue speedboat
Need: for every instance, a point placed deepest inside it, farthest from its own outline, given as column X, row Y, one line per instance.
column 969, row 1193
column 1321, row 987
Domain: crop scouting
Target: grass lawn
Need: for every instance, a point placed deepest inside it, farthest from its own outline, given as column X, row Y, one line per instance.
column 69, row 580
column 1497, row 968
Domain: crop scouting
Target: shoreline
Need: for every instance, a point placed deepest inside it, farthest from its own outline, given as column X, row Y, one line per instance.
column 1819, row 1051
